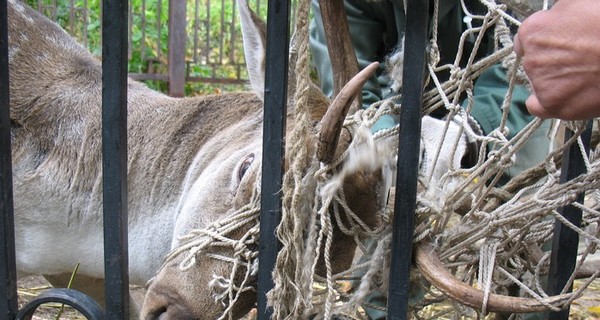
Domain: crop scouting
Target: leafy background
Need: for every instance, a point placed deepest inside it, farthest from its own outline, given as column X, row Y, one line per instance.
column 213, row 50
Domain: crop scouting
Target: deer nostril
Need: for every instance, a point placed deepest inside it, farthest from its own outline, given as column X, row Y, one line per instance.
column 159, row 314
column 168, row 310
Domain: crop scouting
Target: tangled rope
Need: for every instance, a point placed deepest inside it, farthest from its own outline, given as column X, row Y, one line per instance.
column 243, row 254
column 490, row 235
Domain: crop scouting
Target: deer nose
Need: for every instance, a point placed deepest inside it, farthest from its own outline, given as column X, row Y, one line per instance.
column 158, row 314
column 164, row 305
column 169, row 312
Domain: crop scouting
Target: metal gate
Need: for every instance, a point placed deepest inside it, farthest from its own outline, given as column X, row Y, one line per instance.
column 183, row 47
column 115, row 175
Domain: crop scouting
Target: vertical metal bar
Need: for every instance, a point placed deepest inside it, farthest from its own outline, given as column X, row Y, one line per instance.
column 114, row 157
column 565, row 241
column 86, row 23
column 143, row 42
column 207, row 26
column 130, row 30
column 294, row 14
column 273, row 146
column 233, row 36
column 54, row 11
column 196, row 27
column 222, row 32
column 101, row 26
column 158, row 28
column 72, row 17
column 177, row 38
column 8, row 273
column 408, row 157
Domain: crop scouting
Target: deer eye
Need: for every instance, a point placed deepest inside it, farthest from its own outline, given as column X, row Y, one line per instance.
column 245, row 165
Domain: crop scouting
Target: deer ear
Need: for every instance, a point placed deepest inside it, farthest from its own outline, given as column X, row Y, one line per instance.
column 254, row 36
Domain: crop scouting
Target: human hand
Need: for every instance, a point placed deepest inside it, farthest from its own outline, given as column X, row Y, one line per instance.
column 561, row 56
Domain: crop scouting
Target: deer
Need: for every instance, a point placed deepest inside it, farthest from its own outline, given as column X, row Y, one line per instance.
column 191, row 161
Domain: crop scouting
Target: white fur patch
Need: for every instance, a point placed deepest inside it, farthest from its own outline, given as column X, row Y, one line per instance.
column 364, row 153
column 12, row 51
column 395, row 65
column 21, row 9
column 444, row 146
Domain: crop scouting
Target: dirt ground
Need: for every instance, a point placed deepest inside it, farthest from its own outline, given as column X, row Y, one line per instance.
column 587, row 307
column 29, row 287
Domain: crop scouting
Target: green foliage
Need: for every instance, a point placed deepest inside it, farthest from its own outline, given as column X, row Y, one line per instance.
column 84, row 25
column 213, row 50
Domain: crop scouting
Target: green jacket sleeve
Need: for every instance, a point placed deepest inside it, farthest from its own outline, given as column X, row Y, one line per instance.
column 489, row 93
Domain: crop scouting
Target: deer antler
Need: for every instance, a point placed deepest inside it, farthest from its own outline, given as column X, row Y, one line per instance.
column 344, row 66
column 341, row 52
column 434, row 271
column 334, row 117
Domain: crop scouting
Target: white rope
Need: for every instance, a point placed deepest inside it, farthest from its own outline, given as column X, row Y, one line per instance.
column 483, row 232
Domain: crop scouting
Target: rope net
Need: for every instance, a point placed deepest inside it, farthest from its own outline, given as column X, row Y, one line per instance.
column 489, row 234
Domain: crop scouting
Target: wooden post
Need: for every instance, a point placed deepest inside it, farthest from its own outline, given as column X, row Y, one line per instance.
column 177, row 40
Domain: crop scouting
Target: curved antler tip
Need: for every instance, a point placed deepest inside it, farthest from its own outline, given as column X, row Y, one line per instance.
column 435, row 272
column 334, row 117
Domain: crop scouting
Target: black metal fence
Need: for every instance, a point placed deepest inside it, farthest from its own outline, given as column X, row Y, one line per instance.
column 115, row 177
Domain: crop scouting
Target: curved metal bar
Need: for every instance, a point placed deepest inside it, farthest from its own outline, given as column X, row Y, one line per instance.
column 76, row 299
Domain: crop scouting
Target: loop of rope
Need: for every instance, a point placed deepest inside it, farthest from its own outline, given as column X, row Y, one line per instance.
column 483, row 232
